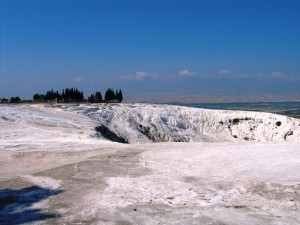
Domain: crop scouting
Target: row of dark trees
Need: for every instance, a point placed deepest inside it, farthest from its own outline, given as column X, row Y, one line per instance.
column 11, row 100
column 110, row 96
column 97, row 97
column 67, row 95
column 74, row 95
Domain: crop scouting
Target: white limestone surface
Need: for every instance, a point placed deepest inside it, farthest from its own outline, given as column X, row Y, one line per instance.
column 244, row 170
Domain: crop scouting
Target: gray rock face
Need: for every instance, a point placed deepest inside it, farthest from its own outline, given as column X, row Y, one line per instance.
column 107, row 133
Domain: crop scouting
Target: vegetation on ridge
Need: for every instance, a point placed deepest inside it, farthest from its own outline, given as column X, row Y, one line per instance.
column 70, row 95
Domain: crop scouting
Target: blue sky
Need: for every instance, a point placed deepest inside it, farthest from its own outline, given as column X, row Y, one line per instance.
column 212, row 47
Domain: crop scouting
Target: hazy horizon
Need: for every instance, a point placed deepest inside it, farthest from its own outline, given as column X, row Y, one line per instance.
column 181, row 48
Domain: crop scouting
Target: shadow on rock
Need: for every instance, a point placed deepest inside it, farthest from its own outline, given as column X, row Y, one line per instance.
column 15, row 205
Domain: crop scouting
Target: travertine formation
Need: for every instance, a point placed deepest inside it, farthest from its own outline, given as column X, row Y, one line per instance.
column 237, row 167
column 138, row 123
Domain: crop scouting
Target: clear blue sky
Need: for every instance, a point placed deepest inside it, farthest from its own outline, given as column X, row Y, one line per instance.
column 213, row 47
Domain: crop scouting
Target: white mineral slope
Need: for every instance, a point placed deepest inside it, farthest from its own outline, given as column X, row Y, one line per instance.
column 43, row 125
column 100, row 182
column 37, row 137
column 140, row 123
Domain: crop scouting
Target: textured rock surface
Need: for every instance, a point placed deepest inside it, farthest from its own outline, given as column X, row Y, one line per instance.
column 164, row 123
column 55, row 170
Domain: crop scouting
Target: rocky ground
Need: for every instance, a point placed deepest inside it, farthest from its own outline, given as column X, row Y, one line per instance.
column 54, row 169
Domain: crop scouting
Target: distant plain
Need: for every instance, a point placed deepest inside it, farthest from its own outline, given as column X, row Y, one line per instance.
column 291, row 109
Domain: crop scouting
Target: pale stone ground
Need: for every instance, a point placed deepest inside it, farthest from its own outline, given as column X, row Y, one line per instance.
column 53, row 172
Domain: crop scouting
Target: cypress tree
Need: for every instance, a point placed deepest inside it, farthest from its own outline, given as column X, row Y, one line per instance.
column 110, row 95
column 119, row 96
